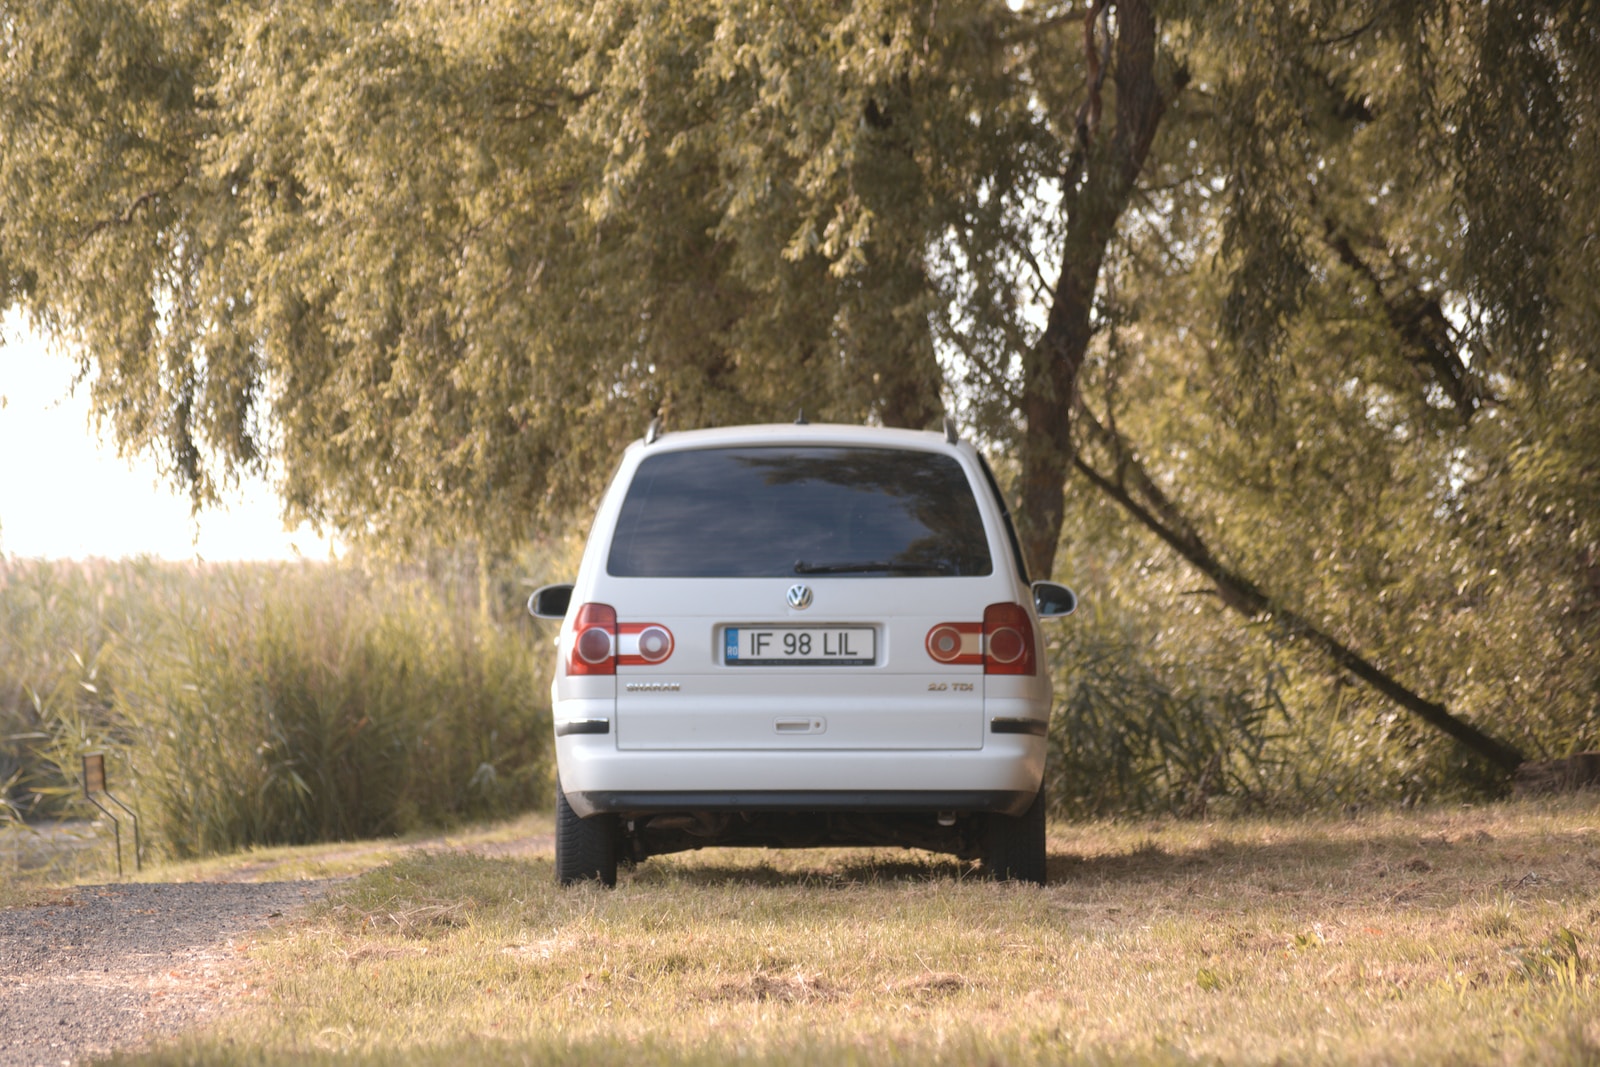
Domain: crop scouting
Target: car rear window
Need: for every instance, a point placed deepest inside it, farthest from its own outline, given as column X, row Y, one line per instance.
column 786, row 511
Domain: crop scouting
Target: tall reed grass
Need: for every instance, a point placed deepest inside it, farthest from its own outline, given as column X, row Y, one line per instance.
column 255, row 704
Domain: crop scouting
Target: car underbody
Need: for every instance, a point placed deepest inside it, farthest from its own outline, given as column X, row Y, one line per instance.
column 643, row 836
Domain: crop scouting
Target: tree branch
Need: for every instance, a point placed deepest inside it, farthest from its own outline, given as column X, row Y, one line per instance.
column 1131, row 487
column 1093, row 206
column 144, row 199
column 1098, row 58
column 1418, row 322
column 997, row 381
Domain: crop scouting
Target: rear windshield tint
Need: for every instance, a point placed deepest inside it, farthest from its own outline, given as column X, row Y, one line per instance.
column 781, row 512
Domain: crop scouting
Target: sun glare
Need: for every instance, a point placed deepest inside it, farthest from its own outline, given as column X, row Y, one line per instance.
column 65, row 493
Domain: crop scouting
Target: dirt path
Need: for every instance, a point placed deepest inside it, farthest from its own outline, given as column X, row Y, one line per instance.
column 102, row 968
column 108, row 967
column 530, row 845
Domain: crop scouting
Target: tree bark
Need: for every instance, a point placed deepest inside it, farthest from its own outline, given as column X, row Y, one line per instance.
column 1099, row 183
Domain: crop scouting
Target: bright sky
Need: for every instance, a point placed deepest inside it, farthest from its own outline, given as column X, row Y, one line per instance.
column 64, row 494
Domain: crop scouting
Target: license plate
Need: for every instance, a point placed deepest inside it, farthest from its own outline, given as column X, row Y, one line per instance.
column 782, row 646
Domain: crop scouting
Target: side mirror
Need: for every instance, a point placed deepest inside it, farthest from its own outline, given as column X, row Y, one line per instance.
column 1054, row 601
column 550, row 601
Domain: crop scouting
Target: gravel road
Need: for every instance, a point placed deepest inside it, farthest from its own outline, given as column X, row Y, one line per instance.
column 108, row 967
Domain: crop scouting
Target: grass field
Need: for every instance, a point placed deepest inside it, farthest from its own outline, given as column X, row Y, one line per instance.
column 1461, row 935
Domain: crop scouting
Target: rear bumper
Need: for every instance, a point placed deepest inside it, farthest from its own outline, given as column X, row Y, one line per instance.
column 1002, row 776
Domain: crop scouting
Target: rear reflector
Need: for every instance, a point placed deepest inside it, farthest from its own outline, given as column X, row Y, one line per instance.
column 594, row 641
column 1008, row 640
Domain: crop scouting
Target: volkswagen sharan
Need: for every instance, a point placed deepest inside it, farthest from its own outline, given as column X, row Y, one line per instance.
column 801, row 636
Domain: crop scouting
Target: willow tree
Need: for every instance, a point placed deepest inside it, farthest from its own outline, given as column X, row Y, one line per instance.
column 1301, row 289
column 418, row 262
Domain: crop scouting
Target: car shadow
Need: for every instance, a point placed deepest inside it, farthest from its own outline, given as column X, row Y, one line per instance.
column 830, row 870
column 1379, row 864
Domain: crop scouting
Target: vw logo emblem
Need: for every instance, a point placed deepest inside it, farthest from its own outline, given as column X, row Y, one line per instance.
column 800, row 596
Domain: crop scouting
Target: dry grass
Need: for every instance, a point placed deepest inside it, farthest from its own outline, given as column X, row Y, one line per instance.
column 38, row 861
column 1467, row 935
column 523, row 835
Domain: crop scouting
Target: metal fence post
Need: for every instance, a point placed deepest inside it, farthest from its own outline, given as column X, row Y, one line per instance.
column 94, row 781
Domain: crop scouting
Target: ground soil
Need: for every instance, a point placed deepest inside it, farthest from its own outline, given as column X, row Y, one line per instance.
column 94, row 969
column 99, row 968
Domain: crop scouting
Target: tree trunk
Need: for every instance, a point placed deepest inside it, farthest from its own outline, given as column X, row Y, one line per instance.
column 1099, row 181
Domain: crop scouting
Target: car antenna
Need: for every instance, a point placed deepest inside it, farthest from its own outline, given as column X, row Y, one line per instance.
column 801, row 420
column 950, row 433
column 654, row 432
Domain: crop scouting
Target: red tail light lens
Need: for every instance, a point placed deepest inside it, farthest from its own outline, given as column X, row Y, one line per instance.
column 643, row 644
column 955, row 642
column 944, row 643
column 1008, row 640
column 594, row 641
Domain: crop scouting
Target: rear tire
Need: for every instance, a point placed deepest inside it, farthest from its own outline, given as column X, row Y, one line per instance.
column 1013, row 845
column 586, row 849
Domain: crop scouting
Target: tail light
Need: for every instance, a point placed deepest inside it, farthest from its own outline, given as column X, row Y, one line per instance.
column 644, row 644
column 1008, row 640
column 956, row 643
column 594, row 641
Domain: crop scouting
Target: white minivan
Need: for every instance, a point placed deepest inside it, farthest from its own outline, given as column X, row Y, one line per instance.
column 799, row 636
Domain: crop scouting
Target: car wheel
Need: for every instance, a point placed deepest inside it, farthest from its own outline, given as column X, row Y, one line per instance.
column 586, row 849
column 1013, row 845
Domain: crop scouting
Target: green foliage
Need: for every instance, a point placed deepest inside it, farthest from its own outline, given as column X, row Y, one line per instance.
column 255, row 705
column 1164, row 707
column 546, row 225
column 1149, row 722
column 1558, row 960
column 1367, row 438
column 56, row 625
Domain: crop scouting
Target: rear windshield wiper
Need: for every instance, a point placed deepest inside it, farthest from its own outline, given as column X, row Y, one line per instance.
column 869, row 566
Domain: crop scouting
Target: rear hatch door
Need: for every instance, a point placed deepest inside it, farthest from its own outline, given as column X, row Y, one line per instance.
column 785, row 597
